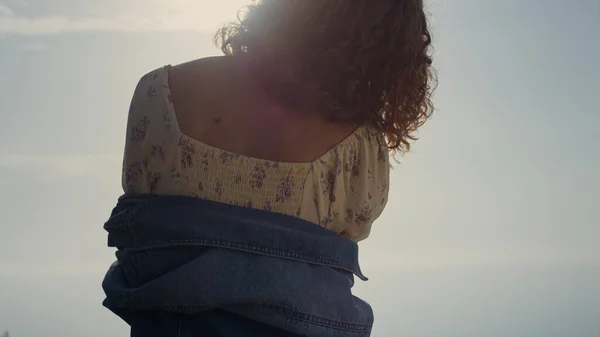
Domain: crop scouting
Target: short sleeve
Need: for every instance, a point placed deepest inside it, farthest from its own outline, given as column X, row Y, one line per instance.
column 146, row 133
column 351, row 185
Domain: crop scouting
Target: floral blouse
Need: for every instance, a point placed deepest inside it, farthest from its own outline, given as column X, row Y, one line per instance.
column 344, row 190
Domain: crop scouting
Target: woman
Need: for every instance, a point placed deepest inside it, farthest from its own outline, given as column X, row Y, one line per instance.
column 250, row 177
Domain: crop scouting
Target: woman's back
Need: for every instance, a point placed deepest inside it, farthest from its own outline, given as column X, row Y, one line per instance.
column 298, row 118
column 204, row 129
column 218, row 102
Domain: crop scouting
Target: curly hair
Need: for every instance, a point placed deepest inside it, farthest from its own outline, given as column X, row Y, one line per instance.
column 362, row 61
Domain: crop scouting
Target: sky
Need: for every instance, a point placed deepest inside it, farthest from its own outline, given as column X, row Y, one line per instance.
column 492, row 226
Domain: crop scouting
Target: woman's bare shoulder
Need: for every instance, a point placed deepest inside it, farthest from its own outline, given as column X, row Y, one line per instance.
column 218, row 103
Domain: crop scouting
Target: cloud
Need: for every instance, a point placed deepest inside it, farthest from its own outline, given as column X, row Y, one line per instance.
column 64, row 165
column 5, row 11
column 34, row 47
column 133, row 16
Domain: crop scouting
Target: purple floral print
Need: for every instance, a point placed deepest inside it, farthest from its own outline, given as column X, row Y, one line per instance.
column 257, row 176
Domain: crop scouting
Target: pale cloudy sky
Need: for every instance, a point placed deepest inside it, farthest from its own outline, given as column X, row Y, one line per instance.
column 41, row 17
column 505, row 177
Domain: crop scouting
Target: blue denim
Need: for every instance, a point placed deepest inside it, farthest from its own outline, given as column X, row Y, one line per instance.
column 191, row 260
column 210, row 323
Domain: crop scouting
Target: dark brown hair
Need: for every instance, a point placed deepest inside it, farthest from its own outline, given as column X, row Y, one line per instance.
column 363, row 61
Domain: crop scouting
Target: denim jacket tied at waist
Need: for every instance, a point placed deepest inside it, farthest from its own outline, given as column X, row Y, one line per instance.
column 186, row 255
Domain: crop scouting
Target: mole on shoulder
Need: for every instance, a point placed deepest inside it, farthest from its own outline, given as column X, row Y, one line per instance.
column 217, row 120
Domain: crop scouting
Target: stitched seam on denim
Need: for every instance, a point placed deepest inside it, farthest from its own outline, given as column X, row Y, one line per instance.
column 306, row 318
column 320, row 260
column 316, row 320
